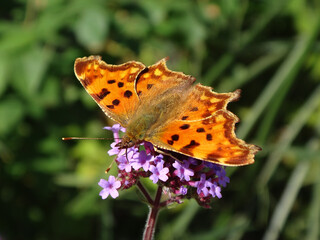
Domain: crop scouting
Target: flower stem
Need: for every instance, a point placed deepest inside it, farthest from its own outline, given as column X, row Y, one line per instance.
column 152, row 217
column 145, row 193
column 176, row 199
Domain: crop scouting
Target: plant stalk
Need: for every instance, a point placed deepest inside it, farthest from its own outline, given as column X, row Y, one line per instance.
column 152, row 217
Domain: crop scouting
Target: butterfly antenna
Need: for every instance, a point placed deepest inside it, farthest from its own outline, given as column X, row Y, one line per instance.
column 84, row 138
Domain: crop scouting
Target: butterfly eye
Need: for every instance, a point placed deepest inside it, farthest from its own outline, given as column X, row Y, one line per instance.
column 129, row 143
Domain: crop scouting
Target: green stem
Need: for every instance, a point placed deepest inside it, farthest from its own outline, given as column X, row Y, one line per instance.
column 152, row 217
column 145, row 193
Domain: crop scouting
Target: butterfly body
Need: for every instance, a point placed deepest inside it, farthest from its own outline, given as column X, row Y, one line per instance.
column 151, row 116
column 164, row 107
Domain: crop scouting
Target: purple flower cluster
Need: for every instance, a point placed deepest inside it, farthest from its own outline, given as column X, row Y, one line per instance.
column 186, row 178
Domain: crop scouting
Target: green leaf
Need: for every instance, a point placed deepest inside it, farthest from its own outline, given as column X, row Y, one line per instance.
column 11, row 113
column 4, row 69
column 32, row 67
column 92, row 28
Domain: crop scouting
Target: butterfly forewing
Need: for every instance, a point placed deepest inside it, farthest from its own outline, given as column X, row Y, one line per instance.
column 111, row 86
column 159, row 77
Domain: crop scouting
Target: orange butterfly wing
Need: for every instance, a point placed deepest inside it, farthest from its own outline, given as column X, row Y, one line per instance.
column 203, row 103
column 201, row 128
column 111, row 86
column 157, row 79
column 205, row 130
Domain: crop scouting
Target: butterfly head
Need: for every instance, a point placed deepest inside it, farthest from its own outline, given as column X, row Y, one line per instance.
column 127, row 142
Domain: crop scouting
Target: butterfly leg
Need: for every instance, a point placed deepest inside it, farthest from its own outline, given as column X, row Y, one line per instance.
column 127, row 155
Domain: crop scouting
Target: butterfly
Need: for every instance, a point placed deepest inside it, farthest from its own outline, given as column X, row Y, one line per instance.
column 165, row 108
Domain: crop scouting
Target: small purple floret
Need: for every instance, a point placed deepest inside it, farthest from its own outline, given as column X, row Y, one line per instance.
column 183, row 190
column 116, row 128
column 123, row 163
column 115, row 150
column 222, row 178
column 183, row 171
column 214, row 189
column 158, row 159
column 109, row 187
column 159, row 172
column 202, row 185
column 142, row 161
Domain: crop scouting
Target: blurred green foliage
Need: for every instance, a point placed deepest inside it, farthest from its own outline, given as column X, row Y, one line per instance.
column 269, row 49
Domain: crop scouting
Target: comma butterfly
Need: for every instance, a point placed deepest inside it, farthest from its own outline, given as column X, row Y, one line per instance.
column 163, row 107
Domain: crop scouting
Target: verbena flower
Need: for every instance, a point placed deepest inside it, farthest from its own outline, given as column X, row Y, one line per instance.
column 159, row 172
column 142, row 161
column 202, row 185
column 109, row 187
column 115, row 128
column 183, row 177
column 183, row 171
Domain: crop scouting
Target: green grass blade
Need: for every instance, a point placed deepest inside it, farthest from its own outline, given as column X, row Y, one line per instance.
column 288, row 136
column 247, row 37
column 284, row 206
column 314, row 210
column 287, row 72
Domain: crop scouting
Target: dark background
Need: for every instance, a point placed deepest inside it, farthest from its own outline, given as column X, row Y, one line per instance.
column 268, row 48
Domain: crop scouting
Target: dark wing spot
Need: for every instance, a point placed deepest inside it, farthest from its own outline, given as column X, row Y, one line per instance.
column 207, row 121
column 209, row 137
column 208, row 94
column 111, row 81
column 110, row 106
column 206, row 114
column 207, row 103
column 175, row 137
column 194, row 109
column 120, row 84
column 86, row 82
column 139, row 93
column 149, row 86
column 184, row 117
column 186, row 151
column 170, row 142
column 213, row 157
column 220, row 105
column 200, row 130
column 127, row 94
column 80, row 67
column 184, row 126
column 116, row 102
column 192, row 144
column 103, row 93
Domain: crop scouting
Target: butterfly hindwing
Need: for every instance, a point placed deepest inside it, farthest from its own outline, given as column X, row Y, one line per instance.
column 207, row 137
column 202, row 102
column 212, row 139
